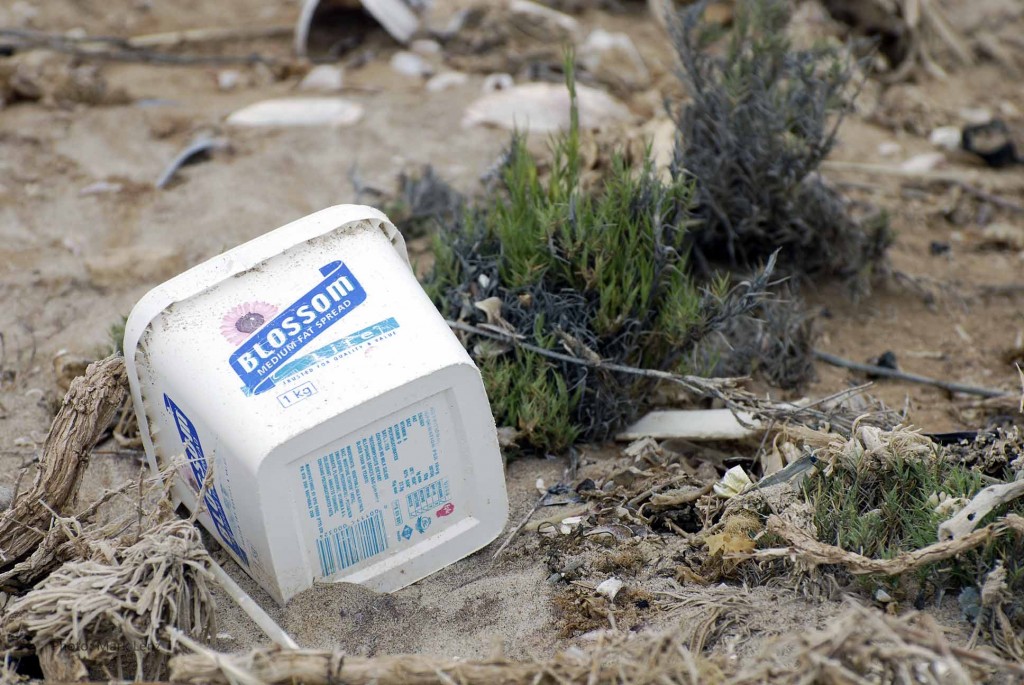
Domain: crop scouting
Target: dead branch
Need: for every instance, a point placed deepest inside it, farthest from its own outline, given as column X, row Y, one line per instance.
column 124, row 50
column 806, row 548
column 909, row 377
column 968, row 518
column 88, row 410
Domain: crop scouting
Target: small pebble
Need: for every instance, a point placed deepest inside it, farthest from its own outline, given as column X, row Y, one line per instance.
column 410, row 64
column 229, row 79
column 945, row 137
column 325, row 78
column 425, row 47
column 446, row 80
column 889, row 149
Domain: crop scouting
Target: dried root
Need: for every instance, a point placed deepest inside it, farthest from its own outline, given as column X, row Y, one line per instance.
column 88, row 410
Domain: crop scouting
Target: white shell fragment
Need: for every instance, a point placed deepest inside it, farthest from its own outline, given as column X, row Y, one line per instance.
column 733, row 483
column 569, row 524
column 288, row 112
column 325, row 78
column 544, row 108
column 609, row 588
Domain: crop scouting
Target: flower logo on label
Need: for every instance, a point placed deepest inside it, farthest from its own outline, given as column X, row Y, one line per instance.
column 244, row 320
column 445, row 510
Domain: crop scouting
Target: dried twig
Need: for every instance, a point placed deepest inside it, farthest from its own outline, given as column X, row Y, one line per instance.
column 695, row 384
column 956, row 178
column 909, row 377
column 88, row 410
column 806, row 548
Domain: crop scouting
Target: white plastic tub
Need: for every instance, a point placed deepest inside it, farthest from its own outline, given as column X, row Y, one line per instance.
column 348, row 430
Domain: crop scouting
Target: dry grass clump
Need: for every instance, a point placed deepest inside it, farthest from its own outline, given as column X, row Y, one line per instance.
column 93, row 609
column 864, row 646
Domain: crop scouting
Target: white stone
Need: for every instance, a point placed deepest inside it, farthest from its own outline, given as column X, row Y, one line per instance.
column 614, row 59
column 228, row 79
column 446, row 80
column 500, row 81
column 298, row 112
column 410, row 64
column 889, row 148
column 928, row 161
column 536, row 11
column 101, row 188
column 976, row 115
column 544, row 108
column 425, row 47
column 325, row 78
column 945, row 137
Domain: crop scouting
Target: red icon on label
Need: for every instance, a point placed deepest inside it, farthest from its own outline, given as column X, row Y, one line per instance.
column 445, row 510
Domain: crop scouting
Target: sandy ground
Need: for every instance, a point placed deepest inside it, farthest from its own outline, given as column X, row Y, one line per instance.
column 71, row 264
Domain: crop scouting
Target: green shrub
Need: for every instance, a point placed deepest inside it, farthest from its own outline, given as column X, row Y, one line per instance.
column 763, row 116
column 600, row 275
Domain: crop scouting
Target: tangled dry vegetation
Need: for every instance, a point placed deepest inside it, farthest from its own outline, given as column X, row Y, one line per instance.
column 89, row 593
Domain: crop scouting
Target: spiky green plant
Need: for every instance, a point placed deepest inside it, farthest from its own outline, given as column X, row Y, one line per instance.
column 601, row 275
column 890, row 508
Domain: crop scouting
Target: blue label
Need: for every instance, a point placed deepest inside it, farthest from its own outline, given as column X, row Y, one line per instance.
column 276, row 342
column 197, row 462
column 327, row 352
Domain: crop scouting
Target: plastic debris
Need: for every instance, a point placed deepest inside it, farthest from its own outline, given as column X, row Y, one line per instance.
column 200, row 147
column 992, row 142
column 395, row 16
column 299, row 112
column 733, row 483
column 696, row 424
column 544, row 108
